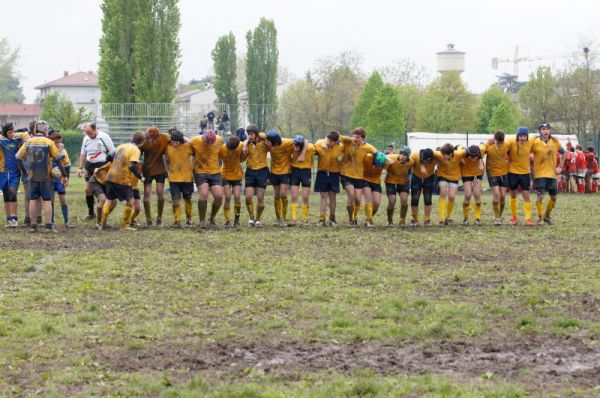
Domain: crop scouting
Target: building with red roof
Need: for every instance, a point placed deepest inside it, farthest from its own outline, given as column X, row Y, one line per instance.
column 81, row 87
column 19, row 114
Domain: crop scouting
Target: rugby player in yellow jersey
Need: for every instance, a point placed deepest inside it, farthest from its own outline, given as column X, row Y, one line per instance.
column 518, row 172
column 301, row 176
column 397, row 183
column 496, row 151
column 97, row 185
column 355, row 150
column 545, row 170
column 448, row 173
column 137, row 202
column 39, row 151
column 257, row 173
column 179, row 155
column 373, row 168
column 327, row 183
column 154, row 168
column 471, row 169
column 281, row 172
column 423, row 170
column 207, row 174
column 119, row 179
column 232, row 156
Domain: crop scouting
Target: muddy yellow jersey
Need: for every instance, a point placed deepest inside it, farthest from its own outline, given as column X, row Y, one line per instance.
column 231, row 167
column 496, row 159
column 416, row 168
column 371, row 173
column 281, row 157
column 450, row 169
column 153, row 155
column 101, row 172
column 544, row 157
column 257, row 154
column 330, row 159
column 397, row 173
column 308, row 157
column 469, row 167
column 519, row 155
column 38, row 151
column 354, row 156
column 206, row 157
column 179, row 160
column 119, row 172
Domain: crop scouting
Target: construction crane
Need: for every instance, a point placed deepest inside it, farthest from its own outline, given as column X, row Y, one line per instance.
column 516, row 59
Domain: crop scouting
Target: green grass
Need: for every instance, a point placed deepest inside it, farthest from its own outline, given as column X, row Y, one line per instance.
column 76, row 307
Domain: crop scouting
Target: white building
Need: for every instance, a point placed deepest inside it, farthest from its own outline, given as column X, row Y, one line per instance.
column 81, row 87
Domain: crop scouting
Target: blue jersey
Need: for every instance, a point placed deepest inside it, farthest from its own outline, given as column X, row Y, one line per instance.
column 8, row 152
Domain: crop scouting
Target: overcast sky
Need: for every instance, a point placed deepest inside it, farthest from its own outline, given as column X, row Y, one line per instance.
column 62, row 35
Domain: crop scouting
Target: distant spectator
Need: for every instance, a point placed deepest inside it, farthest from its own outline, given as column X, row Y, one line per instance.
column 203, row 124
column 226, row 122
column 211, row 120
column 220, row 126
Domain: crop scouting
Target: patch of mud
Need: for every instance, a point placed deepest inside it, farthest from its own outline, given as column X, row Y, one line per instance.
column 540, row 362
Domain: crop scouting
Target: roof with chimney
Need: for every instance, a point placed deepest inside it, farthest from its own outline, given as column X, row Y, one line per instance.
column 77, row 79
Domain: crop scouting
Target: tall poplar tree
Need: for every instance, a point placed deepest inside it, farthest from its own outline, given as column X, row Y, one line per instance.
column 225, row 65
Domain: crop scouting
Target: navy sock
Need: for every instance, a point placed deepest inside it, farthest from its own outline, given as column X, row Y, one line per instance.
column 65, row 212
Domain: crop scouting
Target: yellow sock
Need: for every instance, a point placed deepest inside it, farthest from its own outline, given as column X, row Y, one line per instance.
column 496, row 207
column 188, row 209
column 250, row 208
column 134, row 214
column 500, row 209
column 284, row 208
column 294, row 211
column 322, row 217
column 226, row 213
column 415, row 215
column 177, row 213
column 106, row 210
column 550, row 206
column 403, row 211
column 355, row 212
column 442, row 209
column 237, row 209
column 466, row 210
column 449, row 208
column 477, row 211
column 305, row 213
column 513, row 207
column 527, row 208
column 278, row 208
column 259, row 211
column 369, row 212
column 539, row 207
column 427, row 217
column 127, row 210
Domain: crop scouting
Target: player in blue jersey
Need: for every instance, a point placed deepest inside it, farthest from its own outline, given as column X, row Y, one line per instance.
column 9, row 173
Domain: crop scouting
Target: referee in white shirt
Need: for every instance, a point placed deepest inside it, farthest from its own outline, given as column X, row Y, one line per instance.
column 97, row 149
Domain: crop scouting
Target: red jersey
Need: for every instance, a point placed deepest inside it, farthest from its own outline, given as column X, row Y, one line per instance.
column 580, row 160
column 589, row 159
column 570, row 163
column 595, row 167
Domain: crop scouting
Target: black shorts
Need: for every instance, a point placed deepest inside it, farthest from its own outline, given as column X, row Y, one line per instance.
column 301, row 177
column 159, row 178
column 136, row 194
column 179, row 189
column 373, row 186
column 278, row 179
column 418, row 184
column 472, row 178
column 516, row 181
column 210, row 179
column 355, row 182
column 91, row 167
column 257, row 178
column 97, row 188
column 233, row 183
column 119, row 192
column 327, row 182
column 393, row 189
column 546, row 184
column 498, row 181
column 42, row 190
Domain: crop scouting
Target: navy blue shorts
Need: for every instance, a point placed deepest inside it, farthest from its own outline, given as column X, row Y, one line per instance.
column 59, row 187
column 327, row 182
column 516, row 181
column 159, row 178
column 210, row 179
column 498, row 181
column 472, row 178
column 119, row 192
column 9, row 181
column 301, row 177
column 546, row 184
column 278, row 179
column 181, row 189
column 355, row 182
column 136, row 194
column 257, row 178
column 418, row 184
column 232, row 183
column 393, row 189
column 40, row 190
column 373, row 186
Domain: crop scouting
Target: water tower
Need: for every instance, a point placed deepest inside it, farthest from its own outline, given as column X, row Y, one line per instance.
column 450, row 59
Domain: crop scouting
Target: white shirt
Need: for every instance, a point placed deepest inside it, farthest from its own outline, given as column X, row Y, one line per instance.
column 96, row 149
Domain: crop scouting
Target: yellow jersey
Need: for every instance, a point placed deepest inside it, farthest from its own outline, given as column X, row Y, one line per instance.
column 179, row 160
column 231, row 167
column 38, row 151
column 416, row 167
column 330, row 159
column 101, row 172
column 519, row 155
column 450, row 169
column 371, row 173
column 469, row 167
column 153, row 151
column 544, row 157
column 308, row 157
column 496, row 159
column 119, row 172
column 281, row 157
column 206, row 157
column 397, row 173
column 256, row 158
column 354, row 156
